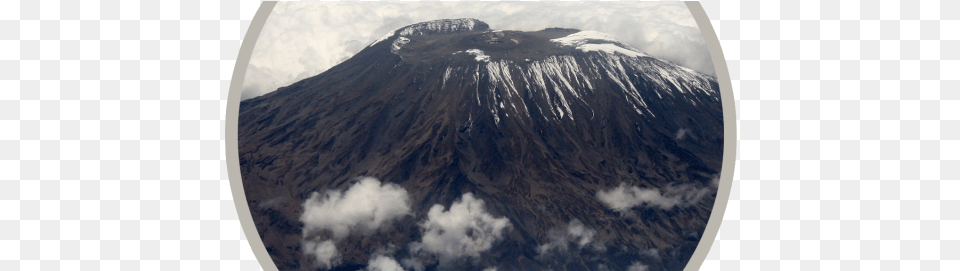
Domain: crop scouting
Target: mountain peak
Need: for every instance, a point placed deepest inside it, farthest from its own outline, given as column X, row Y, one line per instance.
column 480, row 38
column 443, row 26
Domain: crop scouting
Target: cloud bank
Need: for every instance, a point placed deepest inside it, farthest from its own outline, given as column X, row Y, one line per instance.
column 303, row 39
column 465, row 230
column 364, row 206
column 623, row 198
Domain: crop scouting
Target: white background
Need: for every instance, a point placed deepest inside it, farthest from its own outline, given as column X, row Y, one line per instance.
column 111, row 135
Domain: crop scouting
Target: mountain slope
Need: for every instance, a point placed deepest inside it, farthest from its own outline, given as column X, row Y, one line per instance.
column 533, row 123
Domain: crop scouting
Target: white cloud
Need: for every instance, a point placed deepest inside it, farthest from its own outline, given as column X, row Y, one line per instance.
column 681, row 134
column 580, row 234
column 465, row 230
column 272, row 203
column 383, row 263
column 415, row 264
column 366, row 205
column 652, row 252
column 637, row 266
column 623, row 198
column 575, row 233
column 324, row 252
column 303, row 39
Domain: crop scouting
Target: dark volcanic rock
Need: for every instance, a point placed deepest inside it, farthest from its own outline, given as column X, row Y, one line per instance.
column 533, row 127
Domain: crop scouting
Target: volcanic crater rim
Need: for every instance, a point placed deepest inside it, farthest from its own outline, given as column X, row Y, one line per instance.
column 508, row 45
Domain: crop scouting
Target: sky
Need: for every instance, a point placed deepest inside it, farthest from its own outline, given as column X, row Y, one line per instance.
column 303, row 39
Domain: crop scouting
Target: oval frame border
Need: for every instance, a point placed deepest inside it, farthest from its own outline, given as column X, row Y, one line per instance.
column 726, row 170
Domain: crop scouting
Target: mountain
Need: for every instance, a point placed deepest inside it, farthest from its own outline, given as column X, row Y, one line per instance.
column 571, row 135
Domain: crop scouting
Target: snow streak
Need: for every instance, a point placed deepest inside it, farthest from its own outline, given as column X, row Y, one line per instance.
column 399, row 42
column 561, row 83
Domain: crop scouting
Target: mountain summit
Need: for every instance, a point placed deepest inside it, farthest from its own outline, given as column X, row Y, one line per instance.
column 598, row 156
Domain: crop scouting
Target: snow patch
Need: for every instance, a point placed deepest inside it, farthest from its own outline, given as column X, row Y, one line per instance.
column 610, row 49
column 588, row 41
column 582, row 37
column 480, row 56
column 399, row 42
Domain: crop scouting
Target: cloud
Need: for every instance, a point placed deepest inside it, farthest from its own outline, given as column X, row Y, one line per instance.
column 383, row 263
column 272, row 203
column 465, row 230
column 623, row 198
column 325, row 252
column 652, row 253
column 302, row 39
column 575, row 233
column 681, row 134
column 414, row 263
column 366, row 206
column 637, row 266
